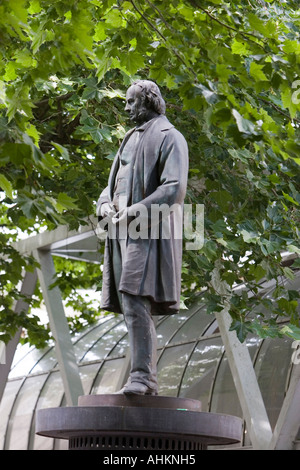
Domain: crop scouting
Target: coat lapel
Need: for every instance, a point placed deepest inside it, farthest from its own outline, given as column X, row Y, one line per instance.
column 139, row 168
column 116, row 163
column 147, row 155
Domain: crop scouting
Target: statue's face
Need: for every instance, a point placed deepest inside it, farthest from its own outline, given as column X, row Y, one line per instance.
column 134, row 103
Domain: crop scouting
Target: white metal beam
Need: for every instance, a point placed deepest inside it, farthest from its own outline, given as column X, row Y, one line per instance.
column 254, row 411
column 2, row 353
column 288, row 422
column 59, row 327
column 27, row 290
column 60, row 237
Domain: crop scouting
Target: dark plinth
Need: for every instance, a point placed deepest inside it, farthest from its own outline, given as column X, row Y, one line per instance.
column 117, row 422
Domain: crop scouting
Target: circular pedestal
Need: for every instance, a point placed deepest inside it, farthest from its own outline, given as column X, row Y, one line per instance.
column 117, row 422
column 147, row 401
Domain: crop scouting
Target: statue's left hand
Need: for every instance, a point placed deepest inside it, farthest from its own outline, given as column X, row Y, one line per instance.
column 127, row 214
column 120, row 216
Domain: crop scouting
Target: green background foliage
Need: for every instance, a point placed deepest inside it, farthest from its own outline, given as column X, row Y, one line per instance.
column 230, row 74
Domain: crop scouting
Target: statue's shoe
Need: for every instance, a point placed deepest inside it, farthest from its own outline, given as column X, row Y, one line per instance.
column 136, row 388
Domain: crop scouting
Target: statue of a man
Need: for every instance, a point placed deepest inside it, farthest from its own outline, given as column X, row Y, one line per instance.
column 142, row 274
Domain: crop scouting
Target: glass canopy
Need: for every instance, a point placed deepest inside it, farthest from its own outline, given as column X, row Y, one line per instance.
column 191, row 363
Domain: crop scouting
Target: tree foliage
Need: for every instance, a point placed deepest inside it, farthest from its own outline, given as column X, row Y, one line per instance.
column 230, row 74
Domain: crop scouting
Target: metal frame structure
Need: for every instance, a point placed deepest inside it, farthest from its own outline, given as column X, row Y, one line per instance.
column 83, row 245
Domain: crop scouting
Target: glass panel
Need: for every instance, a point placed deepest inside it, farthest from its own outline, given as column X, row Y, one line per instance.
column 106, row 343
column 295, row 283
column 272, row 368
column 169, row 326
column 199, row 375
column 121, row 347
column 22, row 413
column 88, row 374
column 225, row 398
column 51, row 397
column 108, row 378
column 29, row 361
column 46, row 363
column 20, row 353
column 268, row 294
column 6, row 403
column 87, row 340
column 194, row 327
column 171, row 367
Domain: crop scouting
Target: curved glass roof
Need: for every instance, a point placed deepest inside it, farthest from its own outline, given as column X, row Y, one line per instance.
column 192, row 363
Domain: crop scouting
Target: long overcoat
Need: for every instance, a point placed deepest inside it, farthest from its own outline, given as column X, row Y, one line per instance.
column 158, row 175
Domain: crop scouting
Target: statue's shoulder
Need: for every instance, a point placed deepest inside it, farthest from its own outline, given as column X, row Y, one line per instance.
column 162, row 123
column 170, row 130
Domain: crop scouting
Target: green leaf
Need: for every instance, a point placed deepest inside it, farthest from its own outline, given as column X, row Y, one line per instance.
column 293, row 249
column 291, row 47
column 256, row 72
column 288, row 272
column 249, row 232
column 210, row 96
column 28, row 206
column 54, row 56
column 296, row 264
column 257, row 271
column 6, row 186
column 39, row 38
column 62, row 150
column 242, row 154
column 10, row 72
column 242, row 329
column 223, row 198
column 213, row 303
column 32, row 131
column 292, row 331
column 91, row 92
column 257, row 24
column 132, row 62
column 244, row 125
column 114, row 19
column 66, row 202
column 290, row 199
column 18, row 153
column 287, row 307
column 104, row 65
column 287, row 100
column 239, row 48
column 18, row 7
column 100, row 31
column 25, row 59
column 35, row 7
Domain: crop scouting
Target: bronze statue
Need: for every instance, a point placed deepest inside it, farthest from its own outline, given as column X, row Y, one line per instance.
column 142, row 274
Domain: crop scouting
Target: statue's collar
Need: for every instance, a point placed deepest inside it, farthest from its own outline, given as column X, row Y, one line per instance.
column 146, row 124
column 161, row 121
column 161, row 124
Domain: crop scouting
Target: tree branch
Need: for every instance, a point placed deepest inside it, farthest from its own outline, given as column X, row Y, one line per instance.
column 148, row 21
column 163, row 37
column 57, row 98
column 273, row 105
column 242, row 33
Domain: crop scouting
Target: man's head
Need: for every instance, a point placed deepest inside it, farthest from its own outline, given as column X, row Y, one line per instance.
column 144, row 101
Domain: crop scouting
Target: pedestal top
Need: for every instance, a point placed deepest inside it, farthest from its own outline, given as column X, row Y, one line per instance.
column 138, row 416
column 148, row 401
